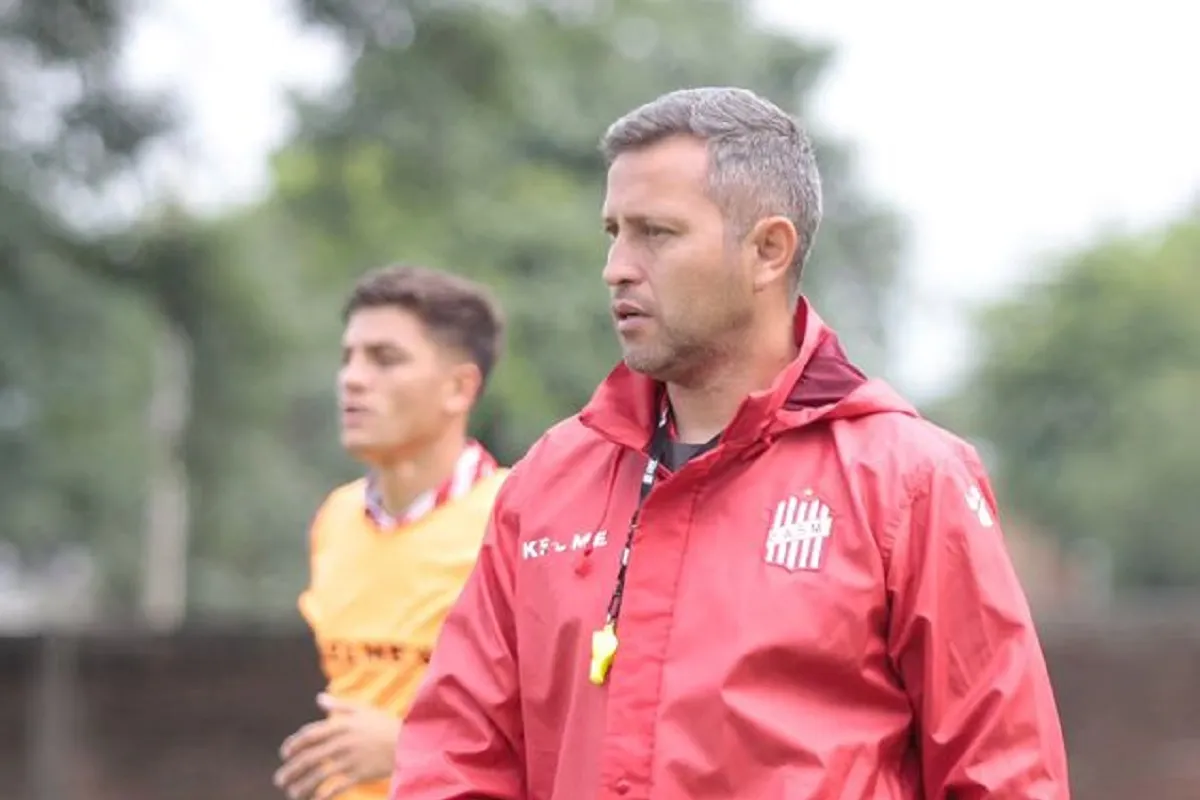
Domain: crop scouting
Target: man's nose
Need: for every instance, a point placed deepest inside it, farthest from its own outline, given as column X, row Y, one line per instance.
column 620, row 267
column 351, row 375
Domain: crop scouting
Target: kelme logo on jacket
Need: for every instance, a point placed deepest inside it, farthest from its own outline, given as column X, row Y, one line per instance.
column 536, row 548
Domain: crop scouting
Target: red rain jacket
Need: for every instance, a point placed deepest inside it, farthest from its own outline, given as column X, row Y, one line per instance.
column 821, row 607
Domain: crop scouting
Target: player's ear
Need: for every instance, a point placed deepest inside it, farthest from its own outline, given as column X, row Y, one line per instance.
column 462, row 387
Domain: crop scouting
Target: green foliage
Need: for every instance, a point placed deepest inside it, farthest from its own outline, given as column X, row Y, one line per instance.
column 66, row 121
column 472, row 145
column 1087, row 391
column 465, row 137
column 72, row 442
column 73, row 346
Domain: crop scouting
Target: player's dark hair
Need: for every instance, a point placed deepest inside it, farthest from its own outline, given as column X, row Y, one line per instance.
column 457, row 312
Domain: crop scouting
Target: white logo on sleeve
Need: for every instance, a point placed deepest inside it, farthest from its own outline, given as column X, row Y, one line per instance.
column 797, row 537
column 978, row 506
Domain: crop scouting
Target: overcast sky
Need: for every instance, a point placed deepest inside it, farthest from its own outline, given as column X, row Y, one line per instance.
column 1000, row 131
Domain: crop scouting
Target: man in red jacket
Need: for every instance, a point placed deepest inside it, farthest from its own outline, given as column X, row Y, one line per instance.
column 744, row 570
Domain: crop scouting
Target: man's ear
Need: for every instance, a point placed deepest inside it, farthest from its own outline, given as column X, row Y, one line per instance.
column 772, row 243
column 463, row 385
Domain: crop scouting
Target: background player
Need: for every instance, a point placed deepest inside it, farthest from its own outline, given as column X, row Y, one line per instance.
column 391, row 551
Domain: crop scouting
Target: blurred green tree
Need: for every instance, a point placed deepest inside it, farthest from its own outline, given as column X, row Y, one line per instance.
column 1086, row 393
column 466, row 136
column 73, row 347
column 202, row 353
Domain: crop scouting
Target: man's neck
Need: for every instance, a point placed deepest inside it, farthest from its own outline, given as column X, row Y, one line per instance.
column 402, row 481
column 704, row 407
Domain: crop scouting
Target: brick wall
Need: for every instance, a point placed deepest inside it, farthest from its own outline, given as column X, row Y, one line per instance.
column 191, row 717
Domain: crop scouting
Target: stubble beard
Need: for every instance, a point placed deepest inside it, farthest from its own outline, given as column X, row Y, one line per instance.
column 669, row 362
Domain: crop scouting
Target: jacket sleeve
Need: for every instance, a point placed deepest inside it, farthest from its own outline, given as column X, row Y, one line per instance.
column 963, row 640
column 462, row 737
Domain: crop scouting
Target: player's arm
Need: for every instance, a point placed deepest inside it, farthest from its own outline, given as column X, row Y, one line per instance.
column 463, row 736
column 963, row 639
column 352, row 745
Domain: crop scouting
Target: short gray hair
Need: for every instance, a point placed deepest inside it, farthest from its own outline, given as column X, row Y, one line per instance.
column 761, row 159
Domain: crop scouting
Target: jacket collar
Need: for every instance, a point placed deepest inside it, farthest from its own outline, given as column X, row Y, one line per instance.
column 623, row 408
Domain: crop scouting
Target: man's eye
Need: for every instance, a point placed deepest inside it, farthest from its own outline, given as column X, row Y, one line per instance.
column 387, row 358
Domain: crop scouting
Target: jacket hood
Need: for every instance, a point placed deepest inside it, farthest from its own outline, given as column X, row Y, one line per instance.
column 819, row 384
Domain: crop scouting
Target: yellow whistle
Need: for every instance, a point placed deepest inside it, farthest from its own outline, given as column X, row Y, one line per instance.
column 604, row 647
